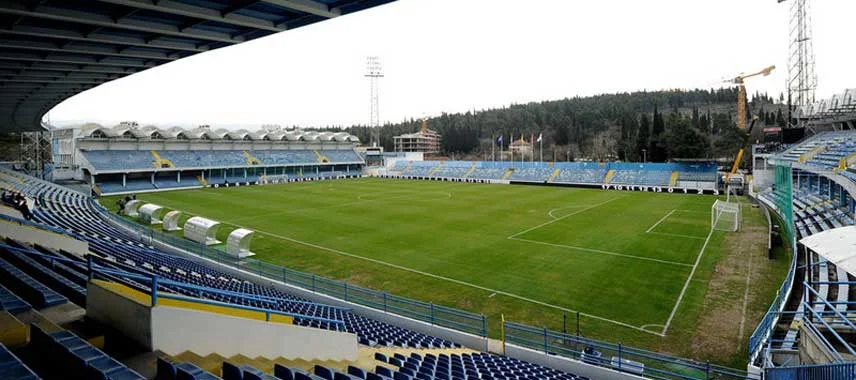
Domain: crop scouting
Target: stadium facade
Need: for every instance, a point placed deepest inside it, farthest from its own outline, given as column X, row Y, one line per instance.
column 128, row 158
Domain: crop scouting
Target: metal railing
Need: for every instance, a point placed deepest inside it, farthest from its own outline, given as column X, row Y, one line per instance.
column 844, row 371
column 764, row 331
column 438, row 315
column 616, row 356
column 156, row 282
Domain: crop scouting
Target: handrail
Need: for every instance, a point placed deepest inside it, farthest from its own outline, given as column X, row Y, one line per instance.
column 813, row 372
column 616, row 356
column 764, row 331
column 28, row 223
column 156, row 281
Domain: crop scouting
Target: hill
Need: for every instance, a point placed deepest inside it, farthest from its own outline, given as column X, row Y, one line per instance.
column 656, row 126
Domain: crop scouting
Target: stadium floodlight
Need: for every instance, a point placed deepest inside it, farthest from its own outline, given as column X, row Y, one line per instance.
column 725, row 216
column 374, row 71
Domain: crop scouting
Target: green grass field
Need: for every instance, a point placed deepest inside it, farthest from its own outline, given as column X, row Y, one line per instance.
column 639, row 267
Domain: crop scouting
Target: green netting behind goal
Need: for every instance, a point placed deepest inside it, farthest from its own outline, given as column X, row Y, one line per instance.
column 784, row 198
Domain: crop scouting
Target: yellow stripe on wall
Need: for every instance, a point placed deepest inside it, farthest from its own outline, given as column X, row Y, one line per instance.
column 146, row 299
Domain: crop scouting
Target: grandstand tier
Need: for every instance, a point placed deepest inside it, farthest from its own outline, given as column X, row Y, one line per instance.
column 815, row 188
column 671, row 175
column 44, row 277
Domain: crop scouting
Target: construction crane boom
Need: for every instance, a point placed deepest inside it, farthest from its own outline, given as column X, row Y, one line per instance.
column 741, row 113
column 741, row 93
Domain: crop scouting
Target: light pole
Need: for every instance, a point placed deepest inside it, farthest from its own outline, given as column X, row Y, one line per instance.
column 644, row 155
column 374, row 71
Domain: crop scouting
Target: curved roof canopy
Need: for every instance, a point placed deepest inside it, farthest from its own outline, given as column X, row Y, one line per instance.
column 51, row 50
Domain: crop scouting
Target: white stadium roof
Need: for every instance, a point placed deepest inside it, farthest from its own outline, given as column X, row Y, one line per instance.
column 837, row 245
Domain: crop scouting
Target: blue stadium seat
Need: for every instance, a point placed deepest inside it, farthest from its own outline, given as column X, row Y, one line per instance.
column 77, row 356
column 12, row 368
column 11, row 302
column 77, row 216
column 33, row 291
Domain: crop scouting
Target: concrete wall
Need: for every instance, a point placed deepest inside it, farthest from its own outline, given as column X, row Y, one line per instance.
column 132, row 319
column 811, row 350
column 462, row 338
column 567, row 365
column 41, row 237
column 175, row 330
column 9, row 211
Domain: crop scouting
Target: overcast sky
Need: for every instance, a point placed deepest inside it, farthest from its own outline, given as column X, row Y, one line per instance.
column 457, row 55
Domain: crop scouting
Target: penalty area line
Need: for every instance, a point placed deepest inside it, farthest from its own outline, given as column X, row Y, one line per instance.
column 550, row 213
column 687, row 283
column 660, row 221
column 676, row 235
column 459, row 282
column 602, row 252
column 561, row 218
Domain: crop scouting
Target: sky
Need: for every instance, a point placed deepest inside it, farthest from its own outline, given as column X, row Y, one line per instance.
column 459, row 55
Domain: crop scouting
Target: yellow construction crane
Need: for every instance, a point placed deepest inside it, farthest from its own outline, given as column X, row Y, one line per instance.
column 741, row 93
column 741, row 113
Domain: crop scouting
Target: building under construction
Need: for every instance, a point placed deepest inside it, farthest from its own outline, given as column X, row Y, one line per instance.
column 425, row 141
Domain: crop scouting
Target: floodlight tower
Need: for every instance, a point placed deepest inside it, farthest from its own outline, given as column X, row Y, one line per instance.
column 374, row 71
column 802, row 80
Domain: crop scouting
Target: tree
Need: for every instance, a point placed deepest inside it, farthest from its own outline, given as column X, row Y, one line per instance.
column 682, row 140
column 657, row 144
column 643, row 136
column 572, row 124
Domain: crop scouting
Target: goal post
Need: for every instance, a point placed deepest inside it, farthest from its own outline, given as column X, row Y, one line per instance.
column 725, row 216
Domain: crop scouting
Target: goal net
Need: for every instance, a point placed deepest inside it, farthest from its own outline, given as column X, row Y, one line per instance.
column 725, row 216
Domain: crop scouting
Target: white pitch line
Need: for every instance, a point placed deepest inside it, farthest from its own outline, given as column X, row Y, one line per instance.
column 745, row 299
column 687, row 283
column 561, row 217
column 676, row 235
column 660, row 221
column 459, row 282
column 550, row 213
column 745, row 303
column 600, row 251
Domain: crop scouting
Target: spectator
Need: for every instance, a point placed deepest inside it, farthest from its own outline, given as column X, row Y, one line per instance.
column 21, row 205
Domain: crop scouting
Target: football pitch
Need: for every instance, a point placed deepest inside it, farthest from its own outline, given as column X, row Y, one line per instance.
column 635, row 267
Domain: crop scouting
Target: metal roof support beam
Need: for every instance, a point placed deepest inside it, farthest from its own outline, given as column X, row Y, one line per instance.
column 207, row 14
column 29, row 31
column 65, row 15
column 37, row 66
column 68, row 48
column 86, row 61
column 38, row 80
column 237, row 5
column 57, row 74
column 306, row 6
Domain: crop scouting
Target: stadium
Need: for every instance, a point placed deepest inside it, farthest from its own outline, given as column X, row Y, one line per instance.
column 389, row 251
